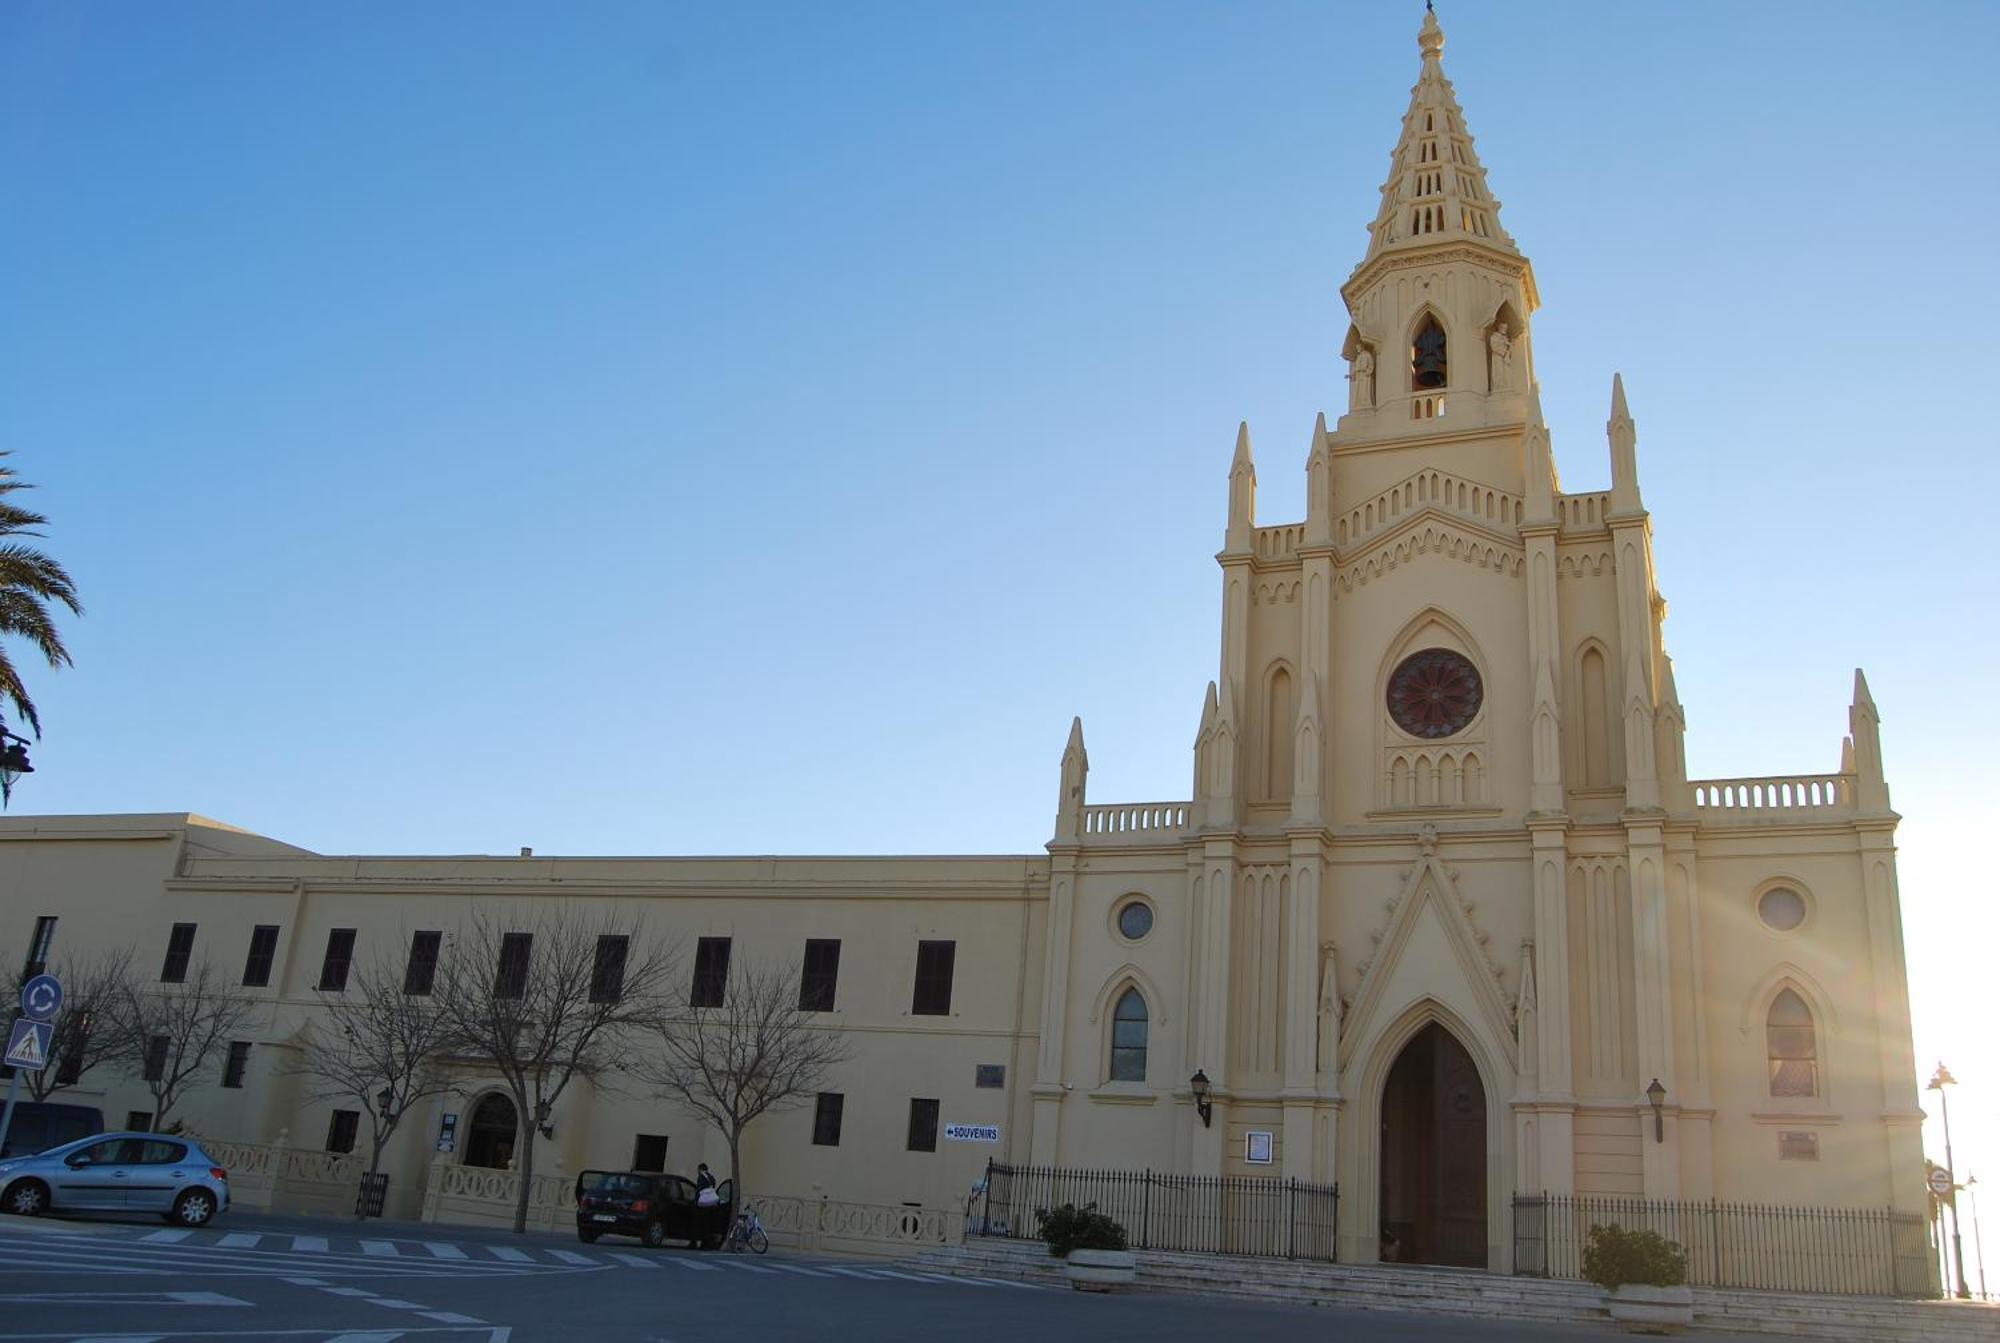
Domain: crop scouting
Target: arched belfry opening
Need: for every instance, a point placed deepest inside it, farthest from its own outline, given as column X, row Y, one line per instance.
column 1433, row 1203
column 1430, row 363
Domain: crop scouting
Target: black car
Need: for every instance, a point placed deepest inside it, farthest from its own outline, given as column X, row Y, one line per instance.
column 653, row 1206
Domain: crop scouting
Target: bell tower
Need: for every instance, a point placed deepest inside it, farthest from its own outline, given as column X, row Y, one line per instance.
column 1440, row 304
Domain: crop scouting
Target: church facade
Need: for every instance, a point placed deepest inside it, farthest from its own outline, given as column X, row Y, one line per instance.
column 1443, row 920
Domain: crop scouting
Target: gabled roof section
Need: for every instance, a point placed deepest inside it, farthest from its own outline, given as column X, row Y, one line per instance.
column 1437, row 189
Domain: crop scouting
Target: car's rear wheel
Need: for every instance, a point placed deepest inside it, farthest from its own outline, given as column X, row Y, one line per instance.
column 655, row 1234
column 586, row 1236
column 195, row 1207
column 26, row 1198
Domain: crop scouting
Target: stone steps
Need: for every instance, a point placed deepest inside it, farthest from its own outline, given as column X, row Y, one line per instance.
column 1465, row 1292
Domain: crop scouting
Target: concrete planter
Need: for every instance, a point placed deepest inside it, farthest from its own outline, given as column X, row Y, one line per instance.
column 1651, row 1310
column 1100, row 1270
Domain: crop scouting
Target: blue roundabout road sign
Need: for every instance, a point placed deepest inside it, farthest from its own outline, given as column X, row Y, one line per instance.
column 41, row 997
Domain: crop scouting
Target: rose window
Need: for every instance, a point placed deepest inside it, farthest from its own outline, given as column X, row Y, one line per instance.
column 1434, row 693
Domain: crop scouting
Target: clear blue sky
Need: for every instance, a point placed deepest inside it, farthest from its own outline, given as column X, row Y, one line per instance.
column 741, row 428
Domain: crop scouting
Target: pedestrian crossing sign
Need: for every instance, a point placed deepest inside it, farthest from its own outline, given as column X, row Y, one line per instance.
column 28, row 1045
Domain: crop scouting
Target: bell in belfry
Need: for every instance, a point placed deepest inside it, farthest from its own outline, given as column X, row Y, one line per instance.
column 1427, row 357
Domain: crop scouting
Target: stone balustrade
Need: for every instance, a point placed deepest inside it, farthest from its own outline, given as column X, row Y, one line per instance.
column 481, row 1196
column 815, row 1225
column 1784, row 796
column 1138, row 822
column 277, row 1177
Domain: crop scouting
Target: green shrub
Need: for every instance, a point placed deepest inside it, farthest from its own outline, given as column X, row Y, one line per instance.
column 1072, row 1228
column 1614, row 1255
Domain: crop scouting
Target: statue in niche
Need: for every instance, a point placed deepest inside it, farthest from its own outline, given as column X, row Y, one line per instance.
column 1500, row 345
column 1361, row 380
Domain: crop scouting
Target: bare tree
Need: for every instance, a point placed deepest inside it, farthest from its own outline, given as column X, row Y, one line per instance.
column 88, row 1031
column 758, row 1051
column 548, row 1004
column 381, row 1045
column 172, row 1031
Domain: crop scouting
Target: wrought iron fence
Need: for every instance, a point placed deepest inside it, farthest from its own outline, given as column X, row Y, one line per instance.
column 1859, row 1251
column 1213, row 1214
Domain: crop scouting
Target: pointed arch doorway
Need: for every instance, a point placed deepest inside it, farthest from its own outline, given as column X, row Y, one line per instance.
column 1433, row 1196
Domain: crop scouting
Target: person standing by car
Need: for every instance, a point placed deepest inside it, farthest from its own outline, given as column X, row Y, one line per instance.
column 704, row 1179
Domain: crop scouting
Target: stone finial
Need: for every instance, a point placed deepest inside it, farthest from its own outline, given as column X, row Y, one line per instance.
column 1624, row 435
column 1075, row 774
column 1539, row 451
column 1864, row 725
column 1319, row 485
column 1242, row 492
column 1430, row 37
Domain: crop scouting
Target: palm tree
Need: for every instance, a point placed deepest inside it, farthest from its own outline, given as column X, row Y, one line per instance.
column 29, row 581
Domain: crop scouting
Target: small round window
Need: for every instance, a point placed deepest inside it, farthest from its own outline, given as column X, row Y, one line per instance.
column 1135, row 920
column 1781, row 908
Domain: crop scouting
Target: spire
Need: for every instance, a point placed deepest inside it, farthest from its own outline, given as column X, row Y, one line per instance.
column 1436, row 189
column 1242, row 492
column 1075, row 770
column 1541, row 462
column 1624, row 437
column 1201, row 740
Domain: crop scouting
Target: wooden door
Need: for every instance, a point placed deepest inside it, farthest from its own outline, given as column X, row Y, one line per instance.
column 1433, row 1196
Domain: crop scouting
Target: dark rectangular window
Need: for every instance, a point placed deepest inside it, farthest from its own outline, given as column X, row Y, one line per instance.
column 923, row 1125
column 139, row 1121
column 607, row 973
column 239, row 1059
column 339, row 959
column 180, row 946
column 511, row 980
column 649, row 1151
column 989, row 1075
column 934, row 963
column 423, row 967
column 263, row 951
column 38, row 947
column 340, row 1130
column 826, row 1119
column 156, row 1059
column 711, row 972
column 820, row 974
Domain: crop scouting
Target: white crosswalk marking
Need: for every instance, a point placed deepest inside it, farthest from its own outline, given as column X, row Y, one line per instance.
column 906, row 1277
column 309, row 1244
column 379, row 1336
column 510, row 1254
column 449, row 1317
column 572, row 1257
column 849, row 1272
column 118, row 1338
column 796, row 1268
column 440, row 1250
column 748, row 1268
column 637, row 1260
column 695, row 1264
column 166, row 1237
column 238, row 1240
column 385, row 1247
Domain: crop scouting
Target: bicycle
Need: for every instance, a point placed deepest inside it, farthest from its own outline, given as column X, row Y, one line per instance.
column 747, row 1233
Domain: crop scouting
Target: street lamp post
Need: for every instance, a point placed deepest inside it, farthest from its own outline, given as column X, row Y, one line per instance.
column 1978, row 1244
column 1941, row 1079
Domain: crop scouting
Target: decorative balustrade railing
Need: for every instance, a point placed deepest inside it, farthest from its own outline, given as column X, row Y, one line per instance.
column 1205, row 1214
column 1153, row 820
column 1584, row 512
column 815, row 1224
column 276, row 1175
column 1277, row 542
column 479, row 1195
column 1778, row 795
column 1855, row 1251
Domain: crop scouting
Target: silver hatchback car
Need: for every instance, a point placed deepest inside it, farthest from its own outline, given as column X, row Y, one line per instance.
column 118, row 1172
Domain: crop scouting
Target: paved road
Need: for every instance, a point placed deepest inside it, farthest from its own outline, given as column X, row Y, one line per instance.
column 302, row 1281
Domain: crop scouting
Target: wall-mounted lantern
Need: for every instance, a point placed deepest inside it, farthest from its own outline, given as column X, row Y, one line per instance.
column 1198, row 1084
